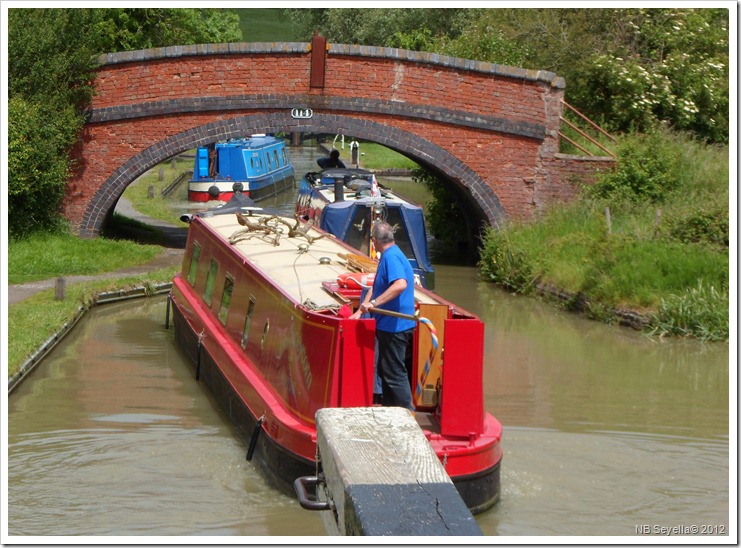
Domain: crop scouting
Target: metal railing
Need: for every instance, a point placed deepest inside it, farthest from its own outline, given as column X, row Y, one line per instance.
column 584, row 134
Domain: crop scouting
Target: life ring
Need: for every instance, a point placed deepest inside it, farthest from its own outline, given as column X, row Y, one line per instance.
column 356, row 280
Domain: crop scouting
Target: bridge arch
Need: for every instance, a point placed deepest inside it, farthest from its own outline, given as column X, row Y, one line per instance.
column 469, row 185
column 490, row 130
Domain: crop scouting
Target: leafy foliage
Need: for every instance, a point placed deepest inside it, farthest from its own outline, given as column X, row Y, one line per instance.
column 703, row 226
column 377, row 27
column 39, row 137
column 628, row 69
column 670, row 65
column 52, row 59
column 504, row 264
column 645, row 170
column 669, row 235
column 443, row 214
column 126, row 29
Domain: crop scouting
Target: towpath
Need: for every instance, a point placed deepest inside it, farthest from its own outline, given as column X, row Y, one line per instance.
column 172, row 255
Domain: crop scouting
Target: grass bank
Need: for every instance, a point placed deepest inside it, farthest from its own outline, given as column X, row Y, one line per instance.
column 375, row 156
column 43, row 256
column 158, row 178
column 652, row 237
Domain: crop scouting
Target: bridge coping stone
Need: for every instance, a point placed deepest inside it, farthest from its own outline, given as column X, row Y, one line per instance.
column 236, row 48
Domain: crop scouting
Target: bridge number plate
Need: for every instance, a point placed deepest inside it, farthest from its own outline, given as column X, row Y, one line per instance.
column 302, row 113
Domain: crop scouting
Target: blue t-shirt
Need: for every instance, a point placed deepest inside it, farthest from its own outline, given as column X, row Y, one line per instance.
column 393, row 266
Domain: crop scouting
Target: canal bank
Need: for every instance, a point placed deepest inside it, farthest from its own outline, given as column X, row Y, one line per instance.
column 19, row 292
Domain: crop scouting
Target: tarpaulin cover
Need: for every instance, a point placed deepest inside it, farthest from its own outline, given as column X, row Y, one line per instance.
column 337, row 216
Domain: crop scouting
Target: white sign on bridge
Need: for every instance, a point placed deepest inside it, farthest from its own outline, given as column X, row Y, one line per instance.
column 302, row 113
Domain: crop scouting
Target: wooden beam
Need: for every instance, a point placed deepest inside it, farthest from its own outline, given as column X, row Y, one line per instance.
column 383, row 478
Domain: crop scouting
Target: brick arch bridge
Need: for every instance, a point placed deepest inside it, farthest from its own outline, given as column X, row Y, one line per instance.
column 491, row 131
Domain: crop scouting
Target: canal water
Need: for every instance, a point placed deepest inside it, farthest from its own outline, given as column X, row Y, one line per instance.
column 607, row 432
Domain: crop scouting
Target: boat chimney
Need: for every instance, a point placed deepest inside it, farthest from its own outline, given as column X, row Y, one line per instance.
column 339, row 190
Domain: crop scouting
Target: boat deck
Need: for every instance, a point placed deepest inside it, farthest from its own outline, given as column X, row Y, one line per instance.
column 296, row 265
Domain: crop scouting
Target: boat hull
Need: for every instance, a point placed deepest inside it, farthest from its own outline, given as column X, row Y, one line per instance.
column 259, row 164
column 278, row 464
column 223, row 190
column 479, row 490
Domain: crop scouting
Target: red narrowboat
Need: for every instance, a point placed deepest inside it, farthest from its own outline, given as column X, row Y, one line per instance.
column 258, row 310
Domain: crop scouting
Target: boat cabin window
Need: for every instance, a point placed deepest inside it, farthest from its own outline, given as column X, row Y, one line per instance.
column 210, row 281
column 193, row 268
column 275, row 157
column 285, row 157
column 226, row 299
column 270, row 162
column 248, row 321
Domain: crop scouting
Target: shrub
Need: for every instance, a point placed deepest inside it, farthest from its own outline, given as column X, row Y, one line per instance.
column 645, row 170
column 700, row 226
column 505, row 265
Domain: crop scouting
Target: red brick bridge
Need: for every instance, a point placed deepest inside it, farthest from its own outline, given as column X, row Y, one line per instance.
column 490, row 131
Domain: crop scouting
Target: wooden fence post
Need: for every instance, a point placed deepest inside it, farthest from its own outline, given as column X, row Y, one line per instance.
column 60, row 289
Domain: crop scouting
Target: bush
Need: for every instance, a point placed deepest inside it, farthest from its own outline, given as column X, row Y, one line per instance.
column 502, row 263
column 710, row 227
column 38, row 141
column 645, row 170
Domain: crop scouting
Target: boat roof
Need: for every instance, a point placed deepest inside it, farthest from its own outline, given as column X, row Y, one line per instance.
column 296, row 265
column 255, row 141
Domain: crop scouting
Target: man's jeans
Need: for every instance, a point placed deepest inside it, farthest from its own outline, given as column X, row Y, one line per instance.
column 394, row 349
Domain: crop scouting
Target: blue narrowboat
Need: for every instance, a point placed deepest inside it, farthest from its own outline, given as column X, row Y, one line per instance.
column 260, row 163
column 346, row 202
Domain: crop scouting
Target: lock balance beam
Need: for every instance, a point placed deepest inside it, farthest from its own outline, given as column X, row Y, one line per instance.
column 378, row 475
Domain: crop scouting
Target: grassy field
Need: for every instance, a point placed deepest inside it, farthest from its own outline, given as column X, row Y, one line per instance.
column 158, row 178
column 44, row 256
column 375, row 156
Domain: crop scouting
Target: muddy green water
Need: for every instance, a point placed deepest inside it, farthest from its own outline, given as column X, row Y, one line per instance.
column 604, row 430
column 606, row 433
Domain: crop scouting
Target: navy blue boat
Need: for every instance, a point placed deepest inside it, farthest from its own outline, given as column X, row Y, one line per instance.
column 260, row 163
column 346, row 203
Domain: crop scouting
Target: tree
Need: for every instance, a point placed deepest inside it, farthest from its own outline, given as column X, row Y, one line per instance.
column 672, row 68
column 126, row 29
column 377, row 26
column 51, row 67
column 629, row 69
